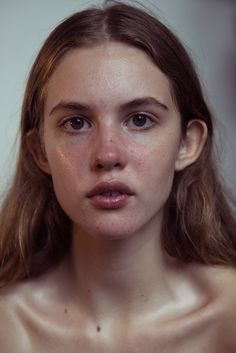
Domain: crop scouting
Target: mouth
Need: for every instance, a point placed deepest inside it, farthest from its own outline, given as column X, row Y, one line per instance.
column 110, row 195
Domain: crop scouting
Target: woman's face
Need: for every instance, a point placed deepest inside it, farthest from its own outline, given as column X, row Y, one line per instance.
column 112, row 138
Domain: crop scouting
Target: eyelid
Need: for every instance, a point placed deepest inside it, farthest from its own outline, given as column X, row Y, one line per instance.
column 149, row 116
column 68, row 120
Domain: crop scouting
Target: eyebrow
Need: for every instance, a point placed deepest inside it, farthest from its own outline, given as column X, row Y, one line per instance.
column 137, row 102
column 142, row 102
column 62, row 105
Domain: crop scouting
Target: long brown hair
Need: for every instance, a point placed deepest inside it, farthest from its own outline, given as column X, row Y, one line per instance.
column 198, row 224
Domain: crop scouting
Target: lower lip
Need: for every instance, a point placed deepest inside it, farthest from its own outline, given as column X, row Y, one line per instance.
column 110, row 202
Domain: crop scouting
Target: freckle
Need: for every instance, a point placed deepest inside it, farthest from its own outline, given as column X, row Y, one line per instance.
column 98, row 328
column 65, row 311
column 89, row 291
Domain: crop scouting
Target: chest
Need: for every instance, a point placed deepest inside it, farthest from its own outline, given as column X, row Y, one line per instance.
column 172, row 339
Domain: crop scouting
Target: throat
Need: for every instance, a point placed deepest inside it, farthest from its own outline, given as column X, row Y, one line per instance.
column 118, row 278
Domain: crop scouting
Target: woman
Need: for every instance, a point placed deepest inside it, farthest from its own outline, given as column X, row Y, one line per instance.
column 116, row 235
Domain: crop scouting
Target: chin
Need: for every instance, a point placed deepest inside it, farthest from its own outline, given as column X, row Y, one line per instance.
column 112, row 231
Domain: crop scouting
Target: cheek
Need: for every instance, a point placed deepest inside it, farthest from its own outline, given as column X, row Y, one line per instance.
column 68, row 167
column 65, row 157
column 160, row 156
column 156, row 169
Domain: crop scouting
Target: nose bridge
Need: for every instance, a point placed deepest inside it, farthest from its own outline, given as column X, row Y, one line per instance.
column 107, row 133
column 108, row 149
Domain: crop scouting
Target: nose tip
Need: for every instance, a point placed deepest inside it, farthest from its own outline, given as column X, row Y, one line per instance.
column 108, row 155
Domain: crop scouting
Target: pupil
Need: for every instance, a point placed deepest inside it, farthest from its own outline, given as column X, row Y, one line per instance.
column 77, row 123
column 139, row 120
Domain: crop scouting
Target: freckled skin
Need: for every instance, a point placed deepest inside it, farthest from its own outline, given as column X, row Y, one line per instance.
column 117, row 290
column 104, row 77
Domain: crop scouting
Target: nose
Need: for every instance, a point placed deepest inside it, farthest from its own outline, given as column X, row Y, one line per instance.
column 109, row 152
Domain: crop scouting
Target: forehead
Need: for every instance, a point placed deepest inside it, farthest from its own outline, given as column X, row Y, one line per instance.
column 107, row 73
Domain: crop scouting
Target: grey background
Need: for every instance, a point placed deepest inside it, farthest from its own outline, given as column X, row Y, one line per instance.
column 206, row 27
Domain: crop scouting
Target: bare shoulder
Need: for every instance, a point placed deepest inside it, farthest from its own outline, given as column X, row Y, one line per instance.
column 38, row 314
column 225, row 281
column 221, row 282
column 205, row 319
column 12, row 329
column 27, row 309
column 35, row 296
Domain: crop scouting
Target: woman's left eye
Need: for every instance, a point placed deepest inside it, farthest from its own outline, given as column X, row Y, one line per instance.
column 140, row 121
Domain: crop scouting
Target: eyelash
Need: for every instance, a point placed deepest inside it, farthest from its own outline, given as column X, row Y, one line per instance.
column 129, row 122
column 146, row 116
column 67, row 124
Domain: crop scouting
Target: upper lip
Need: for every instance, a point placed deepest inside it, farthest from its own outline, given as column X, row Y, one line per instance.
column 105, row 186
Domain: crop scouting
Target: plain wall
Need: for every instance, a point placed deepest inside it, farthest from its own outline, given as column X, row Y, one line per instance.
column 206, row 27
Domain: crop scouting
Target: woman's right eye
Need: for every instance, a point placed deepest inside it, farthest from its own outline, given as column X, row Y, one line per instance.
column 76, row 123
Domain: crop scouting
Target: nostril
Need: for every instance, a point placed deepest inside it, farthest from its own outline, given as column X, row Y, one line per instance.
column 99, row 166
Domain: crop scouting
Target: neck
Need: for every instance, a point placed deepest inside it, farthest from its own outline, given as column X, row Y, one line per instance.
column 123, row 278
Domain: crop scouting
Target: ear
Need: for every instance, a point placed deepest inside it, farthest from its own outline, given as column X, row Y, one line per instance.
column 36, row 149
column 192, row 144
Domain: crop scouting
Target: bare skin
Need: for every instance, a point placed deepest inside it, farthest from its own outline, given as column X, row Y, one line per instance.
column 117, row 290
column 50, row 313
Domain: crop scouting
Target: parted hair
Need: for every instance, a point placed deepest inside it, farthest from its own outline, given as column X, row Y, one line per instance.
column 199, row 224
